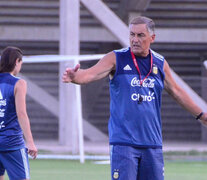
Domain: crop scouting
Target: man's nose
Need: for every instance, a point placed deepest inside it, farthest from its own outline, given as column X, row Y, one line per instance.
column 136, row 39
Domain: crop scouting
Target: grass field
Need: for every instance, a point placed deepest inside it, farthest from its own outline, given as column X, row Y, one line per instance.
column 73, row 170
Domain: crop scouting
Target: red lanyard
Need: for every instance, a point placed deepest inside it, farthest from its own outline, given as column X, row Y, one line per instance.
column 137, row 66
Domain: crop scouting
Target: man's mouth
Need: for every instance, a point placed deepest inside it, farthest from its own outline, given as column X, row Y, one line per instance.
column 136, row 46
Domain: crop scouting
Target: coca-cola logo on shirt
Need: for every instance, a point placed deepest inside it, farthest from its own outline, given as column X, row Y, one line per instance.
column 148, row 82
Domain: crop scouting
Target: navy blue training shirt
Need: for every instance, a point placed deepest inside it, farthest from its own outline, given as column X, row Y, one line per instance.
column 11, row 136
column 133, row 123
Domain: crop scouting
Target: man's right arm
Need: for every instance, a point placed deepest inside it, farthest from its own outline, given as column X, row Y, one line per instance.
column 181, row 96
column 103, row 68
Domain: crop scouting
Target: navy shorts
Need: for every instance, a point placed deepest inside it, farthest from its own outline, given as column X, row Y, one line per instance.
column 131, row 163
column 16, row 164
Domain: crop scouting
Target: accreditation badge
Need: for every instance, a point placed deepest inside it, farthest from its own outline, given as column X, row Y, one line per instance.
column 154, row 69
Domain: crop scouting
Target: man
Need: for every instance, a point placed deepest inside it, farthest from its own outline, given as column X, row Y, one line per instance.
column 14, row 122
column 137, row 77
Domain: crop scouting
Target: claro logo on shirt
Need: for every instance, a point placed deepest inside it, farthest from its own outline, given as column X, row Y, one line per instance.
column 149, row 82
column 149, row 97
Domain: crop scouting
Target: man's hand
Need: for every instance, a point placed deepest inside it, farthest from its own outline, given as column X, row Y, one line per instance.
column 32, row 150
column 69, row 74
column 203, row 119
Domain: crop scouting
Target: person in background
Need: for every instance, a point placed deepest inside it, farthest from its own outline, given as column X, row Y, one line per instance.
column 14, row 121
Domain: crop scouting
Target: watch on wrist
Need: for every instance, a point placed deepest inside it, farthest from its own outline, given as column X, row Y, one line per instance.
column 199, row 116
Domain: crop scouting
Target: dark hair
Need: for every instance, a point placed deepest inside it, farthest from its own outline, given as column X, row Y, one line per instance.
column 144, row 20
column 8, row 59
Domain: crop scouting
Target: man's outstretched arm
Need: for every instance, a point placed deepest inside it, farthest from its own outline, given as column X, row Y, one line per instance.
column 181, row 96
column 103, row 68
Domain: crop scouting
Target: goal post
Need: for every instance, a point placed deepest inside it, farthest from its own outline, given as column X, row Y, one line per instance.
column 47, row 103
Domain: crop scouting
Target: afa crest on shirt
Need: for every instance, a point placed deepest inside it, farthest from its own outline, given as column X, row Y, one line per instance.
column 116, row 174
column 154, row 69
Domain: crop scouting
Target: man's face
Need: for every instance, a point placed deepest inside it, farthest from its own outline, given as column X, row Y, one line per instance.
column 140, row 39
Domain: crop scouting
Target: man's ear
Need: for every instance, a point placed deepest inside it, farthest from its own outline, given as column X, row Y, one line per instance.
column 17, row 61
column 152, row 38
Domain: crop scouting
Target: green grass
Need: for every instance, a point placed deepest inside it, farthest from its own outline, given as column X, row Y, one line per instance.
column 185, row 170
column 73, row 170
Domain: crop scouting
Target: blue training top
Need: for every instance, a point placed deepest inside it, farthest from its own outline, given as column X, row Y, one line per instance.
column 133, row 123
column 11, row 136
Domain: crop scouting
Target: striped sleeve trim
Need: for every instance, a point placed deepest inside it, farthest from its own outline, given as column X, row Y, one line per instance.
column 160, row 57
